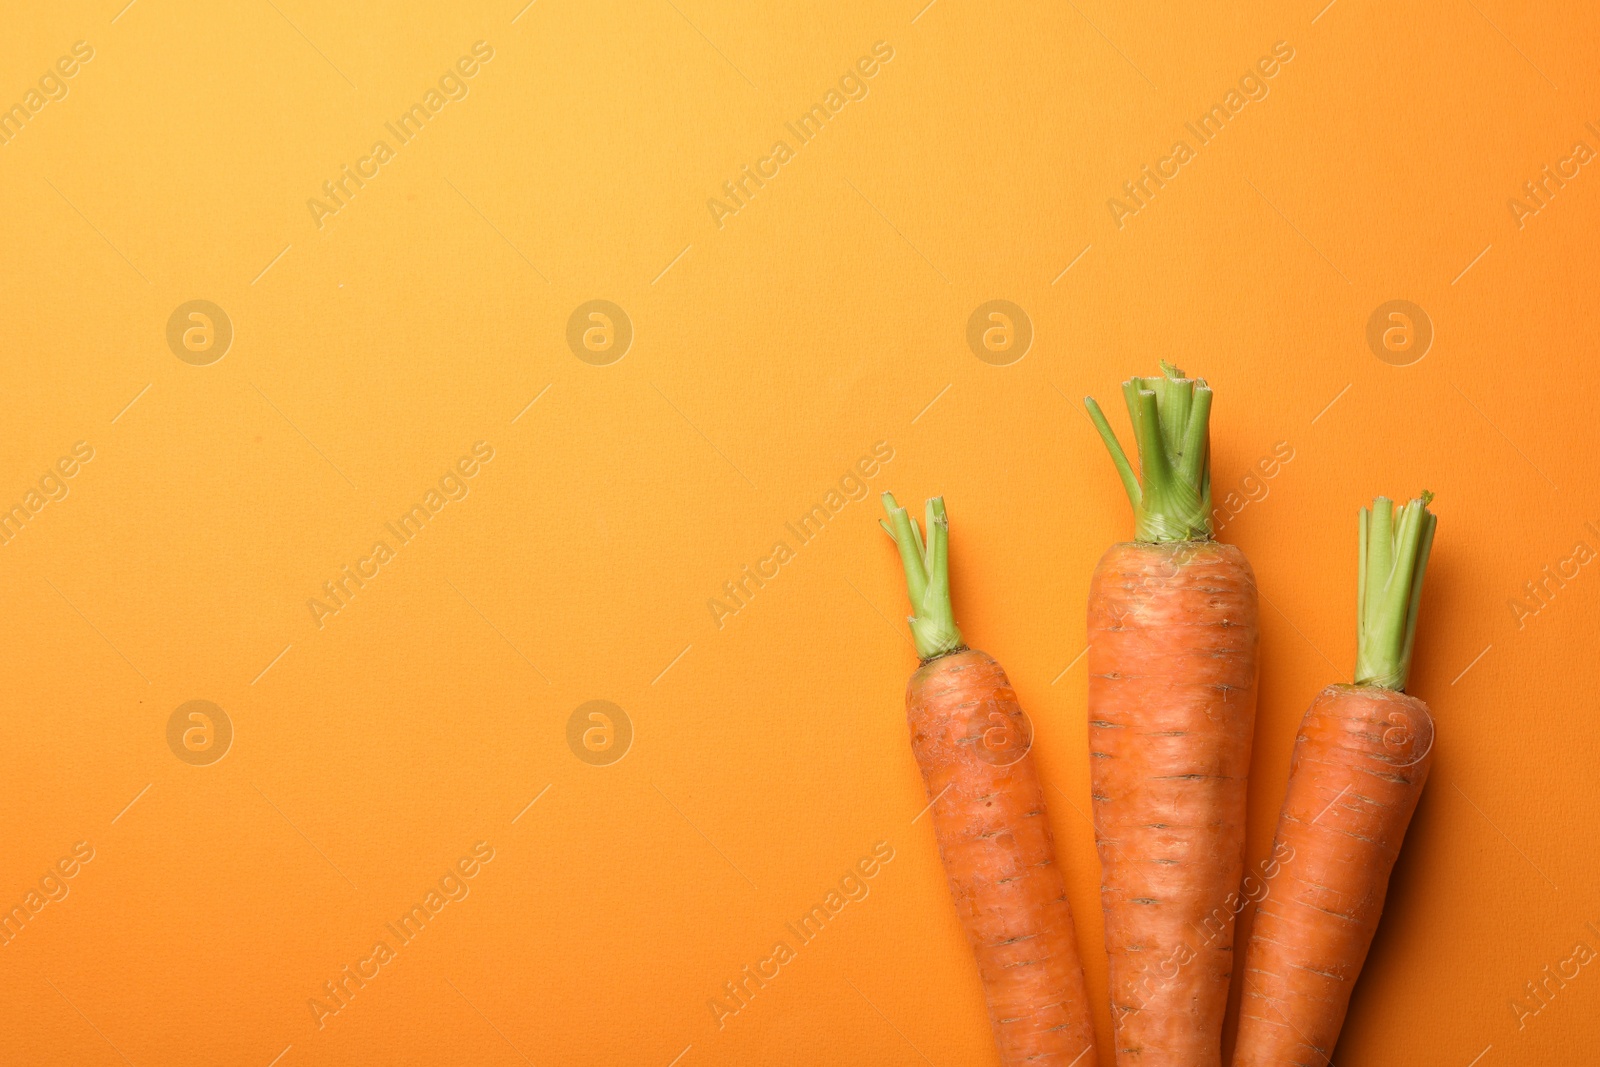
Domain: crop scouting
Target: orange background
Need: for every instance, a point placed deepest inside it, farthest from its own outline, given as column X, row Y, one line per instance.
column 768, row 356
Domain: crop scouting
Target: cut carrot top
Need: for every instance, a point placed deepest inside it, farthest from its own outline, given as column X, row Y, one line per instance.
column 1171, row 417
column 933, row 620
column 1394, row 557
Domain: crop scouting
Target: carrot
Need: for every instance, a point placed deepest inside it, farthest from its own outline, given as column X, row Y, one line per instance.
column 1172, row 694
column 1360, row 762
column 971, row 740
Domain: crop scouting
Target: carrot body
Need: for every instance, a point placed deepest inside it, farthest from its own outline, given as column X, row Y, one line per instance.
column 1173, row 633
column 1360, row 762
column 971, row 739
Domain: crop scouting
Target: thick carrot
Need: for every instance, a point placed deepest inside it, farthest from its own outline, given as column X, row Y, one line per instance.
column 1360, row 762
column 972, row 740
column 1172, row 695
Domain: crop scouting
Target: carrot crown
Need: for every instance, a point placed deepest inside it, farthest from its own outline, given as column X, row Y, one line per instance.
column 1171, row 418
column 1394, row 556
column 933, row 621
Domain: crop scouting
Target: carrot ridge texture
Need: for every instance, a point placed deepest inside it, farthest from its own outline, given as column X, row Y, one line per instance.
column 972, row 742
column 1172, row 663
column 999, row 857
column 1360, row 761
column 1173, row 635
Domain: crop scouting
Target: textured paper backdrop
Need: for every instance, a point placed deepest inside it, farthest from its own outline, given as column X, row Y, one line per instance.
column 199, row 490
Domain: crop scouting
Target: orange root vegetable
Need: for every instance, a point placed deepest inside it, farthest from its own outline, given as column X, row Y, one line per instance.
column 1360, row 762
column 1173, row 634
column 971, row 740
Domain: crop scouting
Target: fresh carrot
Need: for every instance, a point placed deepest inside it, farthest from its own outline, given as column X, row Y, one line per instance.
column 972, row 740
column 1360, row 762
column 1172, row 696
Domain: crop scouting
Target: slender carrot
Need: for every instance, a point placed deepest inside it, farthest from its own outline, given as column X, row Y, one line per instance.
column 1172, row 697
column 971, row 740
column 1360, row 762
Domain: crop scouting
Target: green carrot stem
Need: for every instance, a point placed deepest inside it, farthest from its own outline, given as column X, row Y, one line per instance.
column 1393, row 559
column 1171, row 417
column 933, row 621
